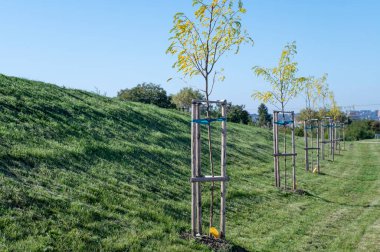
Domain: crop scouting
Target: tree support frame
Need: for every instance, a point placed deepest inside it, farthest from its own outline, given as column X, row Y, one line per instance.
column 196, row 175
column 311, row 144
column 276, row 149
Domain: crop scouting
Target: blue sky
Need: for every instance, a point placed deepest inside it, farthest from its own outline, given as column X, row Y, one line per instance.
column 116, row 44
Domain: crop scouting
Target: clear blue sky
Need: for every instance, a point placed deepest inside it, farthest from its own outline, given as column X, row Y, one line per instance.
column 117, row 44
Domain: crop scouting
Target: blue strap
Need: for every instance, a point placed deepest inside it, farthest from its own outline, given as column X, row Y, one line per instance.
column 283, row 122
column 208, row 120
column 311, row 127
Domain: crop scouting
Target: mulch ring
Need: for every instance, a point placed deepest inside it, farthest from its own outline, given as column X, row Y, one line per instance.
column 213, row 243
column 302, row 192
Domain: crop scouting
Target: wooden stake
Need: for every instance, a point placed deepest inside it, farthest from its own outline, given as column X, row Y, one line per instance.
column 278, row 159
column 193, row 172
column 294, row 151
column 323, row 139
column 223, row 171
column 332, row 141
column 318, row 147
column 344, row 138
column 198, row 170
column 274, row 150
column 306, row 146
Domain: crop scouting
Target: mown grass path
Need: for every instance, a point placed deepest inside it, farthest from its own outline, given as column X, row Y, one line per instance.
column 340, row 212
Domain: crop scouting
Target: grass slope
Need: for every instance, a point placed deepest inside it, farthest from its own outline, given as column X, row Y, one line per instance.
column 82, row 172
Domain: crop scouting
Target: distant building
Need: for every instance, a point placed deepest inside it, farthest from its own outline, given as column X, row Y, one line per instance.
column 364, row 114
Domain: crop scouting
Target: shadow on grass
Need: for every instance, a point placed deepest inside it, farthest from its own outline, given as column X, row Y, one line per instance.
column 343, row 203
column 348, row 177
column 237, row 248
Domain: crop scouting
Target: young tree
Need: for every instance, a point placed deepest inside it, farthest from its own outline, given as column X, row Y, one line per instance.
column 335, row 111
column 201, row 41
column 264, row 117
column 323, row 97
column 282, row 78
column 313, row 88
column 184, row 97
column 284, row 83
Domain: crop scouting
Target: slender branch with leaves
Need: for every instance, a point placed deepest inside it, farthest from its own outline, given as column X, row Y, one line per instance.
column 282, row 79
column 199, row 42
column 324, row 91
column 314, row 91
column 335, row 111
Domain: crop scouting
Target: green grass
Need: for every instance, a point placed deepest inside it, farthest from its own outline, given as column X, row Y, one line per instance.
column 83, row 172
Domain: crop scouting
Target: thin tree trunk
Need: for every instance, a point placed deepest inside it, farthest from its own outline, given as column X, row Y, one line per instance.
column 210, row 156
column 212, row 170
column 285, row 156
column 283, row 117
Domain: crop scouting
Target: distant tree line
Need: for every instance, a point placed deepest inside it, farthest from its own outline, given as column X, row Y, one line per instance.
column 362, row 129
column 150, row 93
column 309, row 113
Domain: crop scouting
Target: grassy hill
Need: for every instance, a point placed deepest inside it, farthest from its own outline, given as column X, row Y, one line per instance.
column 83, row 172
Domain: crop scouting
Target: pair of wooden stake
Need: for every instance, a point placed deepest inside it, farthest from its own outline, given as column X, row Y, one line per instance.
column 277, row 154
column 196, row 175
column 327, row 125
column 339, row 131
column 312, row 126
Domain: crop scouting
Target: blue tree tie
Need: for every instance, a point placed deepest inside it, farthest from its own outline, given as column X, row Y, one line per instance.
column 208, row 120
column 283, row 122
column 311, row 127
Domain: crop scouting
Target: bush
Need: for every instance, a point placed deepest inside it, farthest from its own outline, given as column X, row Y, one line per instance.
column 299, row 131
column 237, row 114
column 359, row 130
column 184, row 97
column 146, row 93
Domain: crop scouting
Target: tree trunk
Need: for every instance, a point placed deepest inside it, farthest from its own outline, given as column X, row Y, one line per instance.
column 210, row 156
column 283, row 117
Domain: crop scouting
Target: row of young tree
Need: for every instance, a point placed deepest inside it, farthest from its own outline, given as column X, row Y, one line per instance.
column 198, row 43
column 286, row 85
column 201, row 41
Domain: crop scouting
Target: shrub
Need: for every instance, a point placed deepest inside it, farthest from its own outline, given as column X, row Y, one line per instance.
column 359, row 130
column 146, row 93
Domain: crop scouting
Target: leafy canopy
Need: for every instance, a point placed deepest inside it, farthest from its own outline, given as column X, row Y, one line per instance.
column 184, row 97
column 308, row 113
column 282, row 78
column 335, row 111
column 314, row 91
column 199, row 42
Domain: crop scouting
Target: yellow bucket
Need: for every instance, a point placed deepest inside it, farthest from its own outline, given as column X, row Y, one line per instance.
column 214, row 232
